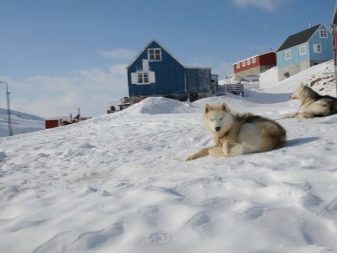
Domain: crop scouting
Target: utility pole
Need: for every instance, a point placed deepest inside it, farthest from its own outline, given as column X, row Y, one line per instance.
column 10, row 129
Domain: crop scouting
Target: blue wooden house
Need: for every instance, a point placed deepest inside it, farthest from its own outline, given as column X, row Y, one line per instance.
column 156, row 72
column 303, row 50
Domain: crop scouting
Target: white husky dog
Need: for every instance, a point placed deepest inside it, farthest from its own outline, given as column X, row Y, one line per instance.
column 236, row 134
column 313, row 104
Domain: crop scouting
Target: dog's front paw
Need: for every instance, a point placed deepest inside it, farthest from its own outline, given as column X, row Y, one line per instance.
column 290, row 115
column 227, row 147
column 191, row 158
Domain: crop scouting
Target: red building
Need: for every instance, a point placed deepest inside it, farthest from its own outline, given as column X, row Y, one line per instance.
column 254, row 65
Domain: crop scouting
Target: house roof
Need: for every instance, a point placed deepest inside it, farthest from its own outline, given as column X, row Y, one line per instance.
column 167, row 51
column 159, row 44
column 298, row 38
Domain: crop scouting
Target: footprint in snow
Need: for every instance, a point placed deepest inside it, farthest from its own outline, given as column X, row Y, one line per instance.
column 158, row 238
column 218, row 203
column 86, row 146
column 200, row 222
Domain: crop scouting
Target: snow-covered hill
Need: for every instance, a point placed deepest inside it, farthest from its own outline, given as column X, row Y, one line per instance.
column 120, row 183
column 319, row 77
column 21, row 122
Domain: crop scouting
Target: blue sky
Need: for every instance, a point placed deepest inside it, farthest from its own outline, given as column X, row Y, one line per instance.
column 58, row 55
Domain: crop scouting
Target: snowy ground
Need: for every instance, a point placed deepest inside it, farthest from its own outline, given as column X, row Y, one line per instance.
column 119, row 183
column 21, row 123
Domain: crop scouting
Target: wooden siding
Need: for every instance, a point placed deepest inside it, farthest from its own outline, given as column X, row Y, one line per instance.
column 198, row 80
column 268, row 59
column 326, row 47
column 295, row 58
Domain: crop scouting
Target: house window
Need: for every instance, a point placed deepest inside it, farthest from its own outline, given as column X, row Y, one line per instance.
column 254, row 60
column 248, row 62
column 244, row 64
column 287, row 54
column 323, row 33
column 142, row 78
column 154, row 54
column 317, row 48
column 302, row 50
column 238, row 65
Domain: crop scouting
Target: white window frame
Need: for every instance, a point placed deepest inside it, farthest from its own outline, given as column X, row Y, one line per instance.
column 317, row 48
column 323, row 33
column 303, row 49
column 287, row 54
column 143, row 78
column 154, row 54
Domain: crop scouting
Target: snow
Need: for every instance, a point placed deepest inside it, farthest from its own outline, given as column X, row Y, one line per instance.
column 21, row 122
column 120, row 183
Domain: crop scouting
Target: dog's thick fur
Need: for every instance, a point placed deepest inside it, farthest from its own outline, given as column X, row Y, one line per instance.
column 236, row 134
column 313, row 104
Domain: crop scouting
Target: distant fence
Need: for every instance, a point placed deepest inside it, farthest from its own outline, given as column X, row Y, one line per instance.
column 252, row 85
column 236, row 88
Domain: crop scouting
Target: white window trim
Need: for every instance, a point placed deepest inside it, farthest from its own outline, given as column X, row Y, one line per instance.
column 303, row 49
column 135, row 77
column 287, row 54
column 325, row 32
column 316, row 48
column 154, row 60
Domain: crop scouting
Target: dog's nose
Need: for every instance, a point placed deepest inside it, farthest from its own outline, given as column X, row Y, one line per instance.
column 217, row 129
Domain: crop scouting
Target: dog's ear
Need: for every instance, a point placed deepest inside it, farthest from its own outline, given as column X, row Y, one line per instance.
column 207, row 108
column 225, row 107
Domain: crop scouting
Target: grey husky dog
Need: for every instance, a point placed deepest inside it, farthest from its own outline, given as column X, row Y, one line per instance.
column 236, row 134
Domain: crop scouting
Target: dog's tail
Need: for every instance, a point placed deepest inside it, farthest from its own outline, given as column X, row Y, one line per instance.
column 334, row 109
column 275, row 137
